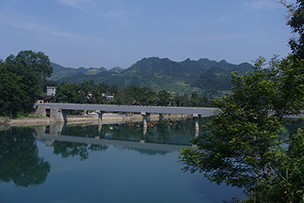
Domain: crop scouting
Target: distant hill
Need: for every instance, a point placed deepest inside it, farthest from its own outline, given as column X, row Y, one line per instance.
column 187, row 76
column 60, row 72
column 116, row 70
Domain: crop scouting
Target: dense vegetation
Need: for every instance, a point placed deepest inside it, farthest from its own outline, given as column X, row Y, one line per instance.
column 22, row 78
column 92, row 93
column 242, row 145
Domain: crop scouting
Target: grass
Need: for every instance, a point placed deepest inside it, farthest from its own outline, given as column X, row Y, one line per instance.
column 27, row 116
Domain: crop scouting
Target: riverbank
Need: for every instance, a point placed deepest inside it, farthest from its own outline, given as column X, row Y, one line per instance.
column 107, row 118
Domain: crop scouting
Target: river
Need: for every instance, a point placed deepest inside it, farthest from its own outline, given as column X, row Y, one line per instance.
column 108, row 163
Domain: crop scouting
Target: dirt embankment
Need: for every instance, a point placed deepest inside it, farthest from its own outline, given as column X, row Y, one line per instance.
column 107, row 118
column 4, row 120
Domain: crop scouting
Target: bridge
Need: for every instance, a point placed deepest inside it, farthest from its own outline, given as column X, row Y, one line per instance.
column 57, row 111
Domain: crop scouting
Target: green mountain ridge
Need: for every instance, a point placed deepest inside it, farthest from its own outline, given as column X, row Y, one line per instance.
column 202, row 76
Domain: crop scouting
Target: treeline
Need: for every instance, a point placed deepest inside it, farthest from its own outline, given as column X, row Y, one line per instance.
column 91, row 93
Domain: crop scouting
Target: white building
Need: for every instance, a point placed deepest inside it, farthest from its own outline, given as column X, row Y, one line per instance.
column 50, row 91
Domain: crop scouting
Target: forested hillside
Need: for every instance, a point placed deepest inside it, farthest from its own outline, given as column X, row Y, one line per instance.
column 203, row 76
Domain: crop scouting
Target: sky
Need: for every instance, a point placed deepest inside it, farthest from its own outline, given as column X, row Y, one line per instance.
column 109, row 33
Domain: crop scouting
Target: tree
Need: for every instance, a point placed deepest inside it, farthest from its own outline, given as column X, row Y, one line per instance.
column 287, row 184
column 197, row 101
column 164, row 98
column 65, row 93
column 146, row 96
column 295, row 20
column 182, row 100
column 241, row 145
column 21, row 79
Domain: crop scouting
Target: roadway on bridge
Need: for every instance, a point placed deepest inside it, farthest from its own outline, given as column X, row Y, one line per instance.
column 136, row 109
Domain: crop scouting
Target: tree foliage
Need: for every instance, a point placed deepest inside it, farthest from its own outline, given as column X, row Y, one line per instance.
column 21, row 78
column 295, row 20
column 241, row 145
column 287, row 183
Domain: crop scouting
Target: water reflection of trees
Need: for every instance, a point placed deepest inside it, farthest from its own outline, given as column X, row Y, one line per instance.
column 81, row 131
column 162, row 131
column 19, row 159
column 67, row 149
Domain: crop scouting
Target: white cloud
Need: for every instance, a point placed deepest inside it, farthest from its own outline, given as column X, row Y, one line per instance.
column 76, row 3
column 227, row 17
column 27, row 24
column 263, row 4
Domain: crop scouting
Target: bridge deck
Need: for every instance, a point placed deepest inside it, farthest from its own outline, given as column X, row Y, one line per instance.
column 136, row 109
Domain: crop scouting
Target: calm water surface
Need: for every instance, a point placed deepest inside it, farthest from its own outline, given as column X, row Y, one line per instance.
column 108, row 163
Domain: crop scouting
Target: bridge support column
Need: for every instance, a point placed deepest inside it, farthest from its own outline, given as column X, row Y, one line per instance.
column 55, row 130
column 145, row 123
column 58, row 114
column 40, row 111
column 145, row 126
column 99, row 119
column 196, row 124
column 161, row 116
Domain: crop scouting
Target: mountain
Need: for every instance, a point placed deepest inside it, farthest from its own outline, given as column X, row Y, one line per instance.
column 116, row 70
column 60, row 72
column 182, row 77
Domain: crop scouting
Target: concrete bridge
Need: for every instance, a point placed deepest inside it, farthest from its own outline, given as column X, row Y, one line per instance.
column 57, row 111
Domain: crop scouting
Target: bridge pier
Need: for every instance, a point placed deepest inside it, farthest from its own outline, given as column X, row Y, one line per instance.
column 196, row 124
column 161, row 117
column 145, row 123
column 58, row 114
column 40, row 111
column 99, row 119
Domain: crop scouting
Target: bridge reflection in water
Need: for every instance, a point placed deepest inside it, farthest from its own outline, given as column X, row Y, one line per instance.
column 163, row 136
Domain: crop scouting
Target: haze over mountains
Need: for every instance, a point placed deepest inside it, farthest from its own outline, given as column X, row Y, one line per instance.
column 203, row 76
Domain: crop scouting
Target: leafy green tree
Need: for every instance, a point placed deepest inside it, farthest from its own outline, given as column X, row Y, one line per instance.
column 114, row 90
column 134, row 95
column 65, row 93
column 145, row 96
column 286, row 184
column 182, row 100
column 206, row 101
column 21, row 79
column 10, row 90
column 164, row 98
column 295, row 20
column 125, row 96
column 195, row 100
column 241, row 144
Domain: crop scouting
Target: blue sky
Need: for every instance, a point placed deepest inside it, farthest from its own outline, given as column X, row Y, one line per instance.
column 108, row 33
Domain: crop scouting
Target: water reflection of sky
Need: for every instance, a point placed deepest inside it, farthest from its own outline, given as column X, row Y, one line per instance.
column 115, row 174
column 125, row 175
